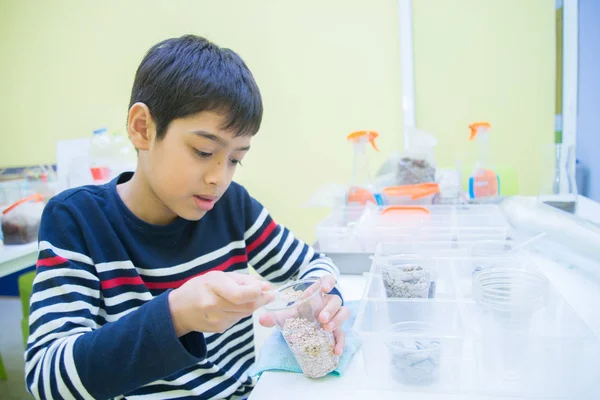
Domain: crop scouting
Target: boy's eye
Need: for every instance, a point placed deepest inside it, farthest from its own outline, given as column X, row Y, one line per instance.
column 235, row 162
column 202, row 154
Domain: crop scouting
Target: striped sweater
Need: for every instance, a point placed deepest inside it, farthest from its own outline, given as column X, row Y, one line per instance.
column 99, row 323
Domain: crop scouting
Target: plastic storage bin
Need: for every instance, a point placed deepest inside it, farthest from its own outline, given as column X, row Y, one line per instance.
column 454, row 265
column 337, row 233
column 530, row 342
column 412, row 345
column 21, row 221
column 359, row 230
column 491, row 253
column 510, row 334
column 413, row 276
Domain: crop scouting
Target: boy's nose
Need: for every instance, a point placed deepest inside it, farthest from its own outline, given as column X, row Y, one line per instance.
column 217, row 174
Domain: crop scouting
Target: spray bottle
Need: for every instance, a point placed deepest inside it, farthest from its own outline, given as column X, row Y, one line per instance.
column 484, row 182
column 362, row 190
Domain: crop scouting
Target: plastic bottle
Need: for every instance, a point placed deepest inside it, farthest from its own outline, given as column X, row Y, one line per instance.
column 362, row 189
column 483, row 182
column 100, row 155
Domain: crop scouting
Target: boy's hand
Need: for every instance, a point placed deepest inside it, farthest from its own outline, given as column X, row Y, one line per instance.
column 216, row 301
column 332, row 316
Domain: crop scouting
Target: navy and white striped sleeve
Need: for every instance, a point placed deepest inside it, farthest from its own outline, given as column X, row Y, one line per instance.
column 276, row 254
column 72, row 353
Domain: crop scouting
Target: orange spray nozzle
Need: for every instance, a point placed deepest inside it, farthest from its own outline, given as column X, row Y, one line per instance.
column 478, row 127
column 357, row 136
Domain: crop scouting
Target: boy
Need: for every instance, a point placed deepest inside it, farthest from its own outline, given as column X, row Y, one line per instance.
column 140, row 290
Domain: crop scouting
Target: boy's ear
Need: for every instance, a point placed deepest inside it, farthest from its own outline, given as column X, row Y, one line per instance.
column 140, row 126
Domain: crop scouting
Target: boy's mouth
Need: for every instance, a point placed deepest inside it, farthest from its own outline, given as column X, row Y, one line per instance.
column 205, row 203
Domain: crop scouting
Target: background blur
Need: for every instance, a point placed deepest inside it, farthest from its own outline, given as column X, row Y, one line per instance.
column 325, row 68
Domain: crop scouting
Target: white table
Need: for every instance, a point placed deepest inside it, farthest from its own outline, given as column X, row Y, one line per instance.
column 14, row 258
column 582, row 293
column 588, row 209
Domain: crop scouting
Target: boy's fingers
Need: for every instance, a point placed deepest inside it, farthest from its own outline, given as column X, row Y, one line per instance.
column 333, row 304
column 235, row 293
column 266, row 320
column 340, row 341
column 245, row 279
column 250, row 307
column 338, row 320
column 327, row 283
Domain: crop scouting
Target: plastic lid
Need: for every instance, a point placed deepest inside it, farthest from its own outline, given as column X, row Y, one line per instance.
column 406, row 210
column 34, row 197
column 415, row 192
column 360, row 196
column 369, row 135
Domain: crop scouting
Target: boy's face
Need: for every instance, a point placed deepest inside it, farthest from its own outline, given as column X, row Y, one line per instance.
column 193, row 165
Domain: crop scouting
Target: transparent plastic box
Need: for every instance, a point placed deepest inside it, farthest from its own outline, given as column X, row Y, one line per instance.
column 21, row 221
column 499, row 331
column 337, row 232
column 412, row 345
column 360, row 229
column 408, row 276
column 545, row 351
column 453, row 264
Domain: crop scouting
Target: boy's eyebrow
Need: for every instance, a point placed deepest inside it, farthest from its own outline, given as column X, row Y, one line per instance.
column 219, row 140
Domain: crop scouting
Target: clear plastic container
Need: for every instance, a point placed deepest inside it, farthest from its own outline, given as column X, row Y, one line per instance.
column 450, row 188
column 492, row 253
column 412, row 345
column 13, row 191
column 416, row 164
column 408, row 280
column 515, row 336
column 510, row 293
column 558, row 186
column 531, row 343
column 405, row 277
column 416, row 353
column 359, row 230
column 452, row 263
column 337, row 233
column 21, row 220
column 295, row 310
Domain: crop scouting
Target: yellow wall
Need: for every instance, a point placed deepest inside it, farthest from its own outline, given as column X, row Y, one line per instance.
column 491, row 60
column 325, row 68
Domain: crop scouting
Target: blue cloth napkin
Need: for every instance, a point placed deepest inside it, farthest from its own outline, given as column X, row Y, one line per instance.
column 275, row 355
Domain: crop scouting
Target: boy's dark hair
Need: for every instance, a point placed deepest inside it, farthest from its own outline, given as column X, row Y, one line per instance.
column 186, row 75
